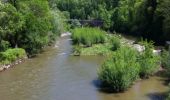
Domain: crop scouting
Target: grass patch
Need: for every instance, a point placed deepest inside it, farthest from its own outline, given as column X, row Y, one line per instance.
column 11, row 55
column 97, row 49
column 149, row 63
column 88, row 36
column 106, row 47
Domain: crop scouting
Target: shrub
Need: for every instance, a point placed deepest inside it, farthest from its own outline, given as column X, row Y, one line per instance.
column 149, row 63
column 77, row 50
column 11, row 55
column 165, row 61
column 115, row 41
column 88, row 36
column 75, row 23
column 168, row 95
column 119, row 72
column 165, row 57
column 4, row 45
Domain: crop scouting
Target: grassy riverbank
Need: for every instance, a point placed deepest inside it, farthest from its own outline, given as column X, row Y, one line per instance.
column 125, row 64
column 11, row 57
column 93, row 41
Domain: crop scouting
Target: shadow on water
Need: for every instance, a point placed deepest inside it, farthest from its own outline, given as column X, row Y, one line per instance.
column 142, row 89
column 165, row 79
column 103, row 88
column 157, row 96
column 162, row 73
column 98, row 84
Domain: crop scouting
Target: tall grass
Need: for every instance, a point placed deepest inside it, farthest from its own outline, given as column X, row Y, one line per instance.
column 149, row 63
column 165, row 62
column 165, row 59
column 88, row 36
column 120, row 70
column 115, row 41
column 12, row 55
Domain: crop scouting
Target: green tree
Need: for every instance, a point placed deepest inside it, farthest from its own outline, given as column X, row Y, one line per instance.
column 37, row 16
column 11, row 22
column 164, row 14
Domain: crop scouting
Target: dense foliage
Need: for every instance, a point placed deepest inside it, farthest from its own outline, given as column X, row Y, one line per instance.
column 165, row 61
column 28, row 24
column 116, row 43
column 126, row 64
column 88, row 36
column 119, row 72
column 11, row 55
column 111, row 43
column 148, row 18
column 149, row 63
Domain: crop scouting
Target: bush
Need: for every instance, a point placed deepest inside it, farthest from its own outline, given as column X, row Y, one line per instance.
column 119, row 72
column 77, row 50
column 165, row 57
column 88, row 36
column 12, row 55
column 4, row 45
column 149, row 63
column 115, row 41
column 165, row 61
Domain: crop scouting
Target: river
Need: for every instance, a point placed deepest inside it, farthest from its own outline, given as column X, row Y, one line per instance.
column 56, row 75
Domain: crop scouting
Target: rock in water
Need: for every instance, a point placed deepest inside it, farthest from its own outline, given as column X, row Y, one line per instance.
column 65, row 34
column 139, row 47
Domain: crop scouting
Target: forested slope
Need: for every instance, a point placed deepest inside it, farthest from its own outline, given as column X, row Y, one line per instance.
column 147, row 18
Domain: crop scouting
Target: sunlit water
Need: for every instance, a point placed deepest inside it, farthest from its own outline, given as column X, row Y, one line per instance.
column 56, row 75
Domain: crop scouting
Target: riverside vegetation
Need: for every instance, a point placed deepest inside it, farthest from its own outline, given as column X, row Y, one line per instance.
column 165, row 59
column 146, row 18
column 26, row 27
column 94, row 41
column 118, row 72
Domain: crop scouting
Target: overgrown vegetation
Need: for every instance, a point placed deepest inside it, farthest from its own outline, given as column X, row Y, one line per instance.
column 149, row 63
column 93, row 41
column 115, row 42
column 88, row 36
column 11, row 55
column 165, row 61
column 29, row 24
column 97, row 49
column 148, row 18
column 126, row 65
column 119, row 72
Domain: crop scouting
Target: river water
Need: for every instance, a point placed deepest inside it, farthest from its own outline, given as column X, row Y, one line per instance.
column 56, row 75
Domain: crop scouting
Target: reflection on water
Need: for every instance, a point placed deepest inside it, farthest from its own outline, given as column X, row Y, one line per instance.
column 55, row 75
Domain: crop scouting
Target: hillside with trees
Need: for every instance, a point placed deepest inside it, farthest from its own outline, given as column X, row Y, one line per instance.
column 147, row 18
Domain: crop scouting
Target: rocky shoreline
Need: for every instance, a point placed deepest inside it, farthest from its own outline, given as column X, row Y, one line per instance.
column 137, row 46
column 7, row 66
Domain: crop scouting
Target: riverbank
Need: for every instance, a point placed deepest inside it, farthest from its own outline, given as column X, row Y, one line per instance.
column 13, row 64
column 42, row 77
column 12, row 57
column 106, row 48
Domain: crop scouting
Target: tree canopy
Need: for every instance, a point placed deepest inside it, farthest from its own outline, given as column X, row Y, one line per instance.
column 28, row 24
column 147, row 18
